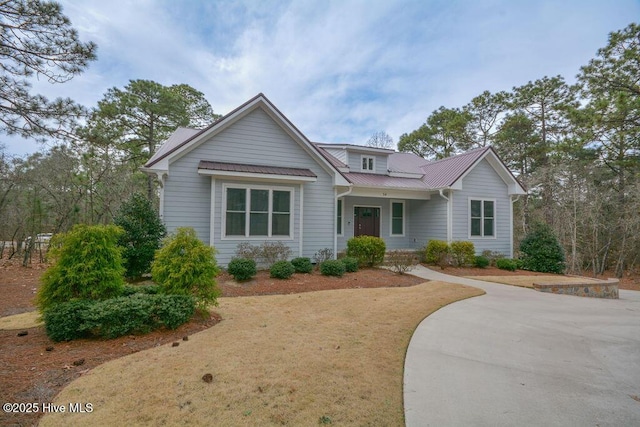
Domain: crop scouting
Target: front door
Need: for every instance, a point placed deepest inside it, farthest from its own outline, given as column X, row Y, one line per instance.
column 366, row 221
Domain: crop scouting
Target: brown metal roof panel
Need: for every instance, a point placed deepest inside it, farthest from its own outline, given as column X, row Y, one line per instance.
column 259, row 169
column 385, row 181
column 445, row 172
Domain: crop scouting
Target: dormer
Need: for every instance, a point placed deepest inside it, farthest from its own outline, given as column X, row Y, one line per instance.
column 359, row 159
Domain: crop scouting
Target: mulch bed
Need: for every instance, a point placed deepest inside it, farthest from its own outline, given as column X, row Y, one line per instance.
column 34, row 369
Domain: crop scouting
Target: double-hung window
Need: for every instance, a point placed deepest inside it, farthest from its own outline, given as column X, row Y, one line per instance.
column 482, row 218
column 368, row 163
column 258, row 212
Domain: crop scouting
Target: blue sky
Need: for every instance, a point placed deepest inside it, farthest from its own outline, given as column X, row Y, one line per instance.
column 339, row 70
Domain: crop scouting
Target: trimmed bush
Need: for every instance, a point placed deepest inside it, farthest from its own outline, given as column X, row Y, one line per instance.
column 332, row 267
column 115, row 317
column 541, row 251
column 507, row 264
column 369, row 250
column 437, row 252
column 302, row 265
column 87, row 264
column 143, row 231
column 242, row 268
column 65, row 321
column 481, row 262
column 186, row 266
column 463, row 253
column 350, row 264
column 282, row 270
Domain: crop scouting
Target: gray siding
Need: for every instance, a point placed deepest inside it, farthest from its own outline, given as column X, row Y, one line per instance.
column 483, row 183
column 355, row 162
column 338, row 153
column 429, row 219
column 255, row 139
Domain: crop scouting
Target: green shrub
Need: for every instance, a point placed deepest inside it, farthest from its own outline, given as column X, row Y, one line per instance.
column 369, row 250
column 463, row 253
column 350, row 264
column 332, row 267
column 401, row 262
column 541, row 251
column 130, row 289
column 87, row 264
column 492, row 256
column 186, row 266
column 282, row 270
column 507, row 264
column 65, row 321
column 437, row 252
column 143, row 231
column 242, row 268
column 481, row 262
column 302, row 265
column 115, row 317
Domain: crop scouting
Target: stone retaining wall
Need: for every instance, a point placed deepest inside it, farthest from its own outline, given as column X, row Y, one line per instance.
column 608, row 289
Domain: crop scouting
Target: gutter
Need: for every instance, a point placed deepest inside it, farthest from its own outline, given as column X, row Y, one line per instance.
column 449, row 212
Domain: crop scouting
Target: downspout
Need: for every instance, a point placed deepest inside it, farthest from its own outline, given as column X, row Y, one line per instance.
column 449, row 219
column 161, row 176
column 335, row 215
column 511, row 223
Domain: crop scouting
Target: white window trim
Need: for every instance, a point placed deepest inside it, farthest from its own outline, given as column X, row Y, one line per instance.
column 362, row 157
column 404, row 218
column 341, row 212
column 495, row 218
column 223, row 228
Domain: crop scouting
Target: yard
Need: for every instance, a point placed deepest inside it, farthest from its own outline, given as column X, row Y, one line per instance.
column 334, row 355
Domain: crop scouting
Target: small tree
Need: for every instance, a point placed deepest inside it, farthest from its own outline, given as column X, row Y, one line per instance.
column 143, row 232
column 87, row 264
column 186, row 266
column 541, row 251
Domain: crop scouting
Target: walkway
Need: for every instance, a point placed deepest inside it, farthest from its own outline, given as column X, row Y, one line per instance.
column 517, row 357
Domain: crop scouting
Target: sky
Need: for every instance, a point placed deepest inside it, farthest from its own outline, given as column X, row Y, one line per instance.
column 339, row 70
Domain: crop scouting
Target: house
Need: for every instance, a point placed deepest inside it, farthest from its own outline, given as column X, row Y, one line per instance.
column 252, row 176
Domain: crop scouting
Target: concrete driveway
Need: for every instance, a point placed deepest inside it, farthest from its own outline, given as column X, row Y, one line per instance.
column 517, row 357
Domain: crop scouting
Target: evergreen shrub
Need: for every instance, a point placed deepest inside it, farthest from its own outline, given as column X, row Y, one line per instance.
column 302, row 265
column 282, row 270
column 369, row 250
column 541, row 251
column 332, row 267
column 242, row 268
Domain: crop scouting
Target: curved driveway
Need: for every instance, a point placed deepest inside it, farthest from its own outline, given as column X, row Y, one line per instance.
column 517, row 357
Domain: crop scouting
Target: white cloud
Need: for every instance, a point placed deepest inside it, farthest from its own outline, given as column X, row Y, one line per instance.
column 340, row 70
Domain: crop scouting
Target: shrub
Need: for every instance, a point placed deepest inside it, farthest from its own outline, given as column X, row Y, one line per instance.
column 481, row 262
column 87, row 264
column 129, row 289
column 143, row 231
column 507, row 264
column 437, row 252
column 186, row 266
column 463, row 253
column 401, row 261
column 302, row 265
column 322, row 255
column 272, row 252
column 248, row 251
column 332, row 267
column 282, row 270
column 65, row 321
column 115, row 317
column 242, row 268
column 350, row 264
column 369, row 250
column 493, row 256
column 541, row 251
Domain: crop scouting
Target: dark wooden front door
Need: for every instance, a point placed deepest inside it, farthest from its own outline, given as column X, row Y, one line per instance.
column 366, row 221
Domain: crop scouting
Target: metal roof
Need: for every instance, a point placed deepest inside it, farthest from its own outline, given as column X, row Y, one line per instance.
column 444, row 173
column 386, row 181
column 261, row 169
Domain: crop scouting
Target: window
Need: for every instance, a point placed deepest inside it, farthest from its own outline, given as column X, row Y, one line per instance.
column 259, row 212
column 482, row 214
column 339, row 219
column 368, row 163
column 397, row 218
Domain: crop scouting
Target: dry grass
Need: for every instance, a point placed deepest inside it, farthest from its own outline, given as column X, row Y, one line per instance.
column 527, row 281
column 26, row 320
column 321, row 357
